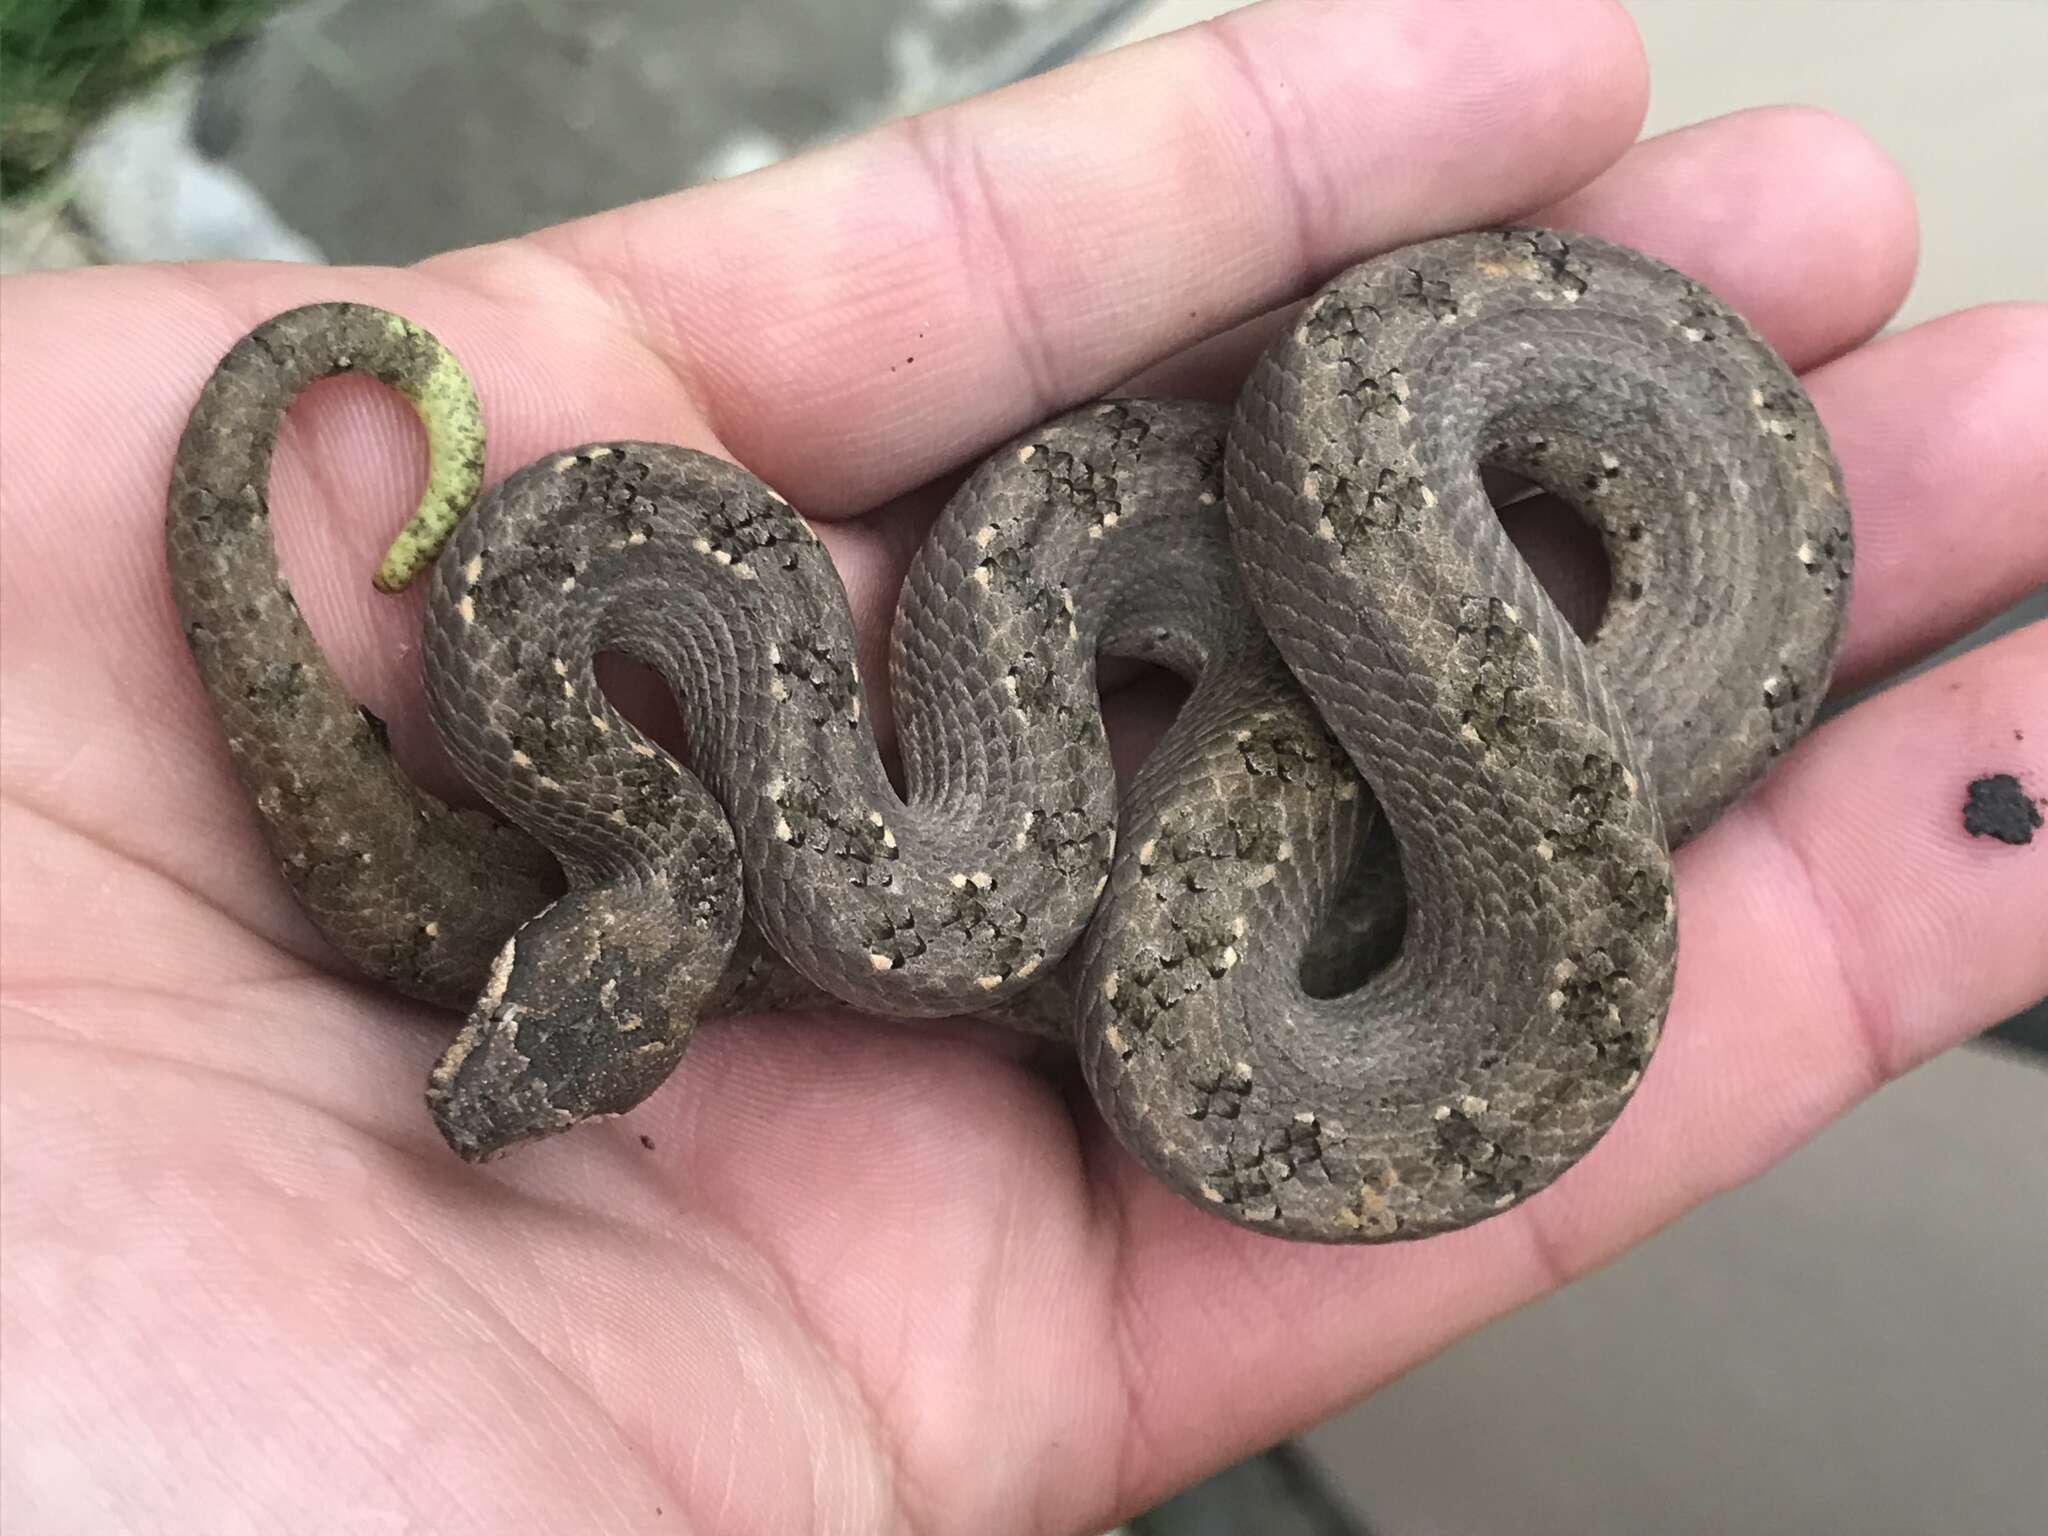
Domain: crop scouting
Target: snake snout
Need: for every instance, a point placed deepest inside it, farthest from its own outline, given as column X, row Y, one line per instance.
column 586, row 1012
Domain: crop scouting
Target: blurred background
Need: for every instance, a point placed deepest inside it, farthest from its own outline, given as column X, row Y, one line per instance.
column 1857, row 1342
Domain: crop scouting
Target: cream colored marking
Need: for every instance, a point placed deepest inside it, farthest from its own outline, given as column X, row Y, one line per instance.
column 888, row 838
column 981, row 577
column 701, row 544
column 1145, row 851
column 500, row 976
column 1428, row 497
column 1109, row 987
column 1111, row 519
column 1347, row 791
column 777, row 690
column 568, row 583
column 1024, row 454
column 608, row 994
column 1692, row 333
column 1441, row 1112
column 1228, row 959
column 1311, row 487
column 565, row 462
column 473, row 572
column 636, row 537
column 988, row 983
column 1206, row 499
column 957, row 881
column 1244, row 1071
column 1629, row 779
column 984, row 535
column 643, row 749
column 467, row 608
column 1544, row 851
column 1565, row 969
column 1010, row 686
column 548, row 783
column 1285, row 851
column 1267, row 874
column 432, row 930
column 880, row 961
column 1469, row 732
column 1556, row 1001
column 1609, row 461
column 1029, row 966
column 1114, row 1039
column 1304, row 1117
column 616, row 817
column 520, row 759
column 599, row 724
column 1325, row 529
column 1471, row 1106
column 1212, row 1194
column 875, row 817
column 568, row 689
column 722, row 556
column 981, row 880
column 744, row 571
column 561, row 667
column 784, row 832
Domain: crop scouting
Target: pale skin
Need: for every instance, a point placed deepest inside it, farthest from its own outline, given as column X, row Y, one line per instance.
column 870, row 1278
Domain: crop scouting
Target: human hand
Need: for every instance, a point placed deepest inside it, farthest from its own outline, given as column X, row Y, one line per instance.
column 844, row 1276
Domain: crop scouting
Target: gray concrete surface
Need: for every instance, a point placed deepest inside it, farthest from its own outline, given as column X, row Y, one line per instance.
column 488, row 118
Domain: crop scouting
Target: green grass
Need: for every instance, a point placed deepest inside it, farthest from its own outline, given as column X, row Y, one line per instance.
column 64, row 62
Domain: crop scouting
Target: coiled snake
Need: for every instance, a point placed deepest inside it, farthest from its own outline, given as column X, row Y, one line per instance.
column 1323, row 566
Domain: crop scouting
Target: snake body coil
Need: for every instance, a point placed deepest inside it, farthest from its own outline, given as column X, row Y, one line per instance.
column 1232, row 1018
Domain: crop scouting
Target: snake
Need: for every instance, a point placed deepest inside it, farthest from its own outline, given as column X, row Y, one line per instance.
column 1376, row 943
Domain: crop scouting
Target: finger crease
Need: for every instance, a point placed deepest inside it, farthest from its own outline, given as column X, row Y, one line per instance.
column 1293, row 178
column 989, row 253
column 1871, row 1022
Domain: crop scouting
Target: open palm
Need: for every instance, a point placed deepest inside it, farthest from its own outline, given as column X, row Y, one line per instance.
column 844, row 1276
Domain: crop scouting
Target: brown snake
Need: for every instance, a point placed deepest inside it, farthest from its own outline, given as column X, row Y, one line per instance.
column 1259, row 1021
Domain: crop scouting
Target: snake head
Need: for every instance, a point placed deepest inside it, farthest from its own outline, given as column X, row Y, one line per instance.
column 585, row 1013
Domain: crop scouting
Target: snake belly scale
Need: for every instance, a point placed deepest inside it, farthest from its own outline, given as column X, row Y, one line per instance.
column 1380, row 938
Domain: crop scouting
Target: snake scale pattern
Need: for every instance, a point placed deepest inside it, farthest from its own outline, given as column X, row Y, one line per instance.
column 1380, row 938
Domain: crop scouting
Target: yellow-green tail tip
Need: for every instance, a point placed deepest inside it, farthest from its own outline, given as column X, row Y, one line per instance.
column 446, row 403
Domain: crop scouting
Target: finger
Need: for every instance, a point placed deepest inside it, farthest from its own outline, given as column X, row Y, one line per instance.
column 1755, row 205
column 1838, row 928
column 1718, row 200
column 856, row 320
column 1938, row 430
